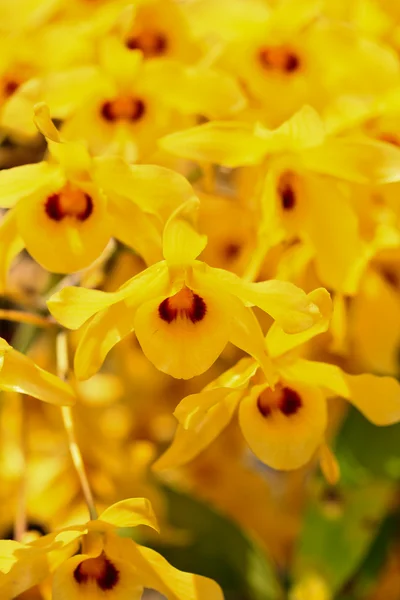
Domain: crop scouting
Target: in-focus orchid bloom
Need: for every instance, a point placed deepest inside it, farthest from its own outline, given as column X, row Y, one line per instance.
column 283, row 426
column 183, row 311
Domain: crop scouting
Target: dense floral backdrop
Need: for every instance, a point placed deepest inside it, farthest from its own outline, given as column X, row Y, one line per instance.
column 200, row 299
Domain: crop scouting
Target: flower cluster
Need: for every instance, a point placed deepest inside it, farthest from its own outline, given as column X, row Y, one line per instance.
column 200, row 234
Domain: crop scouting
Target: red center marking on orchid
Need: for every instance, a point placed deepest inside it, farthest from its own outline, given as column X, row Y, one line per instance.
column 70, row 201
column 290, row 402
column 100, row 570
column 389, row 138
column 150, row 43
column 287, row 191
column 391, row 277
column 10, row 86
column 279, row 58
column 232, row 250
column 123, row 108
column 184, row 304
column 282, row 399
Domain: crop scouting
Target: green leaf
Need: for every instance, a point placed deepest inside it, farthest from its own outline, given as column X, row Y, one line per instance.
column 217, row 548
column 365, row 450
column 345, row 531
column 339, row 528
column 367, row 575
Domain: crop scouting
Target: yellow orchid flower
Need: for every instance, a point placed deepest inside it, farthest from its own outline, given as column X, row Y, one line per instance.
column 303, row 191
column 183, row 311
column 66, row 80
column 158, row 29
column 126, row 114
column 231, row 229
column 92, row 561
column 283, row 426
column 18, row 373
column 291, row 51
column 373, row 321
column 65, row 210
column 303, row 137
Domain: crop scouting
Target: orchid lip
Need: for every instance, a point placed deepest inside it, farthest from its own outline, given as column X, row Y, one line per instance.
column 282, row 399
column 279, row 58
column 287, row 191
column 151, row 44
column 100, row 570
column 127, row 108
column 69, row 203
column 184, row 304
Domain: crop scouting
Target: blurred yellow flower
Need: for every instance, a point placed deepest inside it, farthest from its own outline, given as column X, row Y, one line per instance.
column 18, row 373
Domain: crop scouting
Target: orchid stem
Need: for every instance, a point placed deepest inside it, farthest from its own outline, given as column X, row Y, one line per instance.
column 24, row 317
column 66, row 412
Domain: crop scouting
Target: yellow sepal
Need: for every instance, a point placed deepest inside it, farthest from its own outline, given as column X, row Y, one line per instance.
column 19, row 373
column 130, row 513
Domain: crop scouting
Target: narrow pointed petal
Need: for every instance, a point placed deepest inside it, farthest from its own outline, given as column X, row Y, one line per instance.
column 377, row 338
column 135, row 229
column 304, row 129
column 130, row 513
column 117, row 321
column 73, row 306
column 21, row 567
column 329, row 465
column 120, row 63
column 237, row 377
column 182, row 244
column 192, row 410
column 21, row 182
column 196, row 90
column 156, row 573
column 328, row 377
column 64, row 91
column 278, row 342
column 44, row 123
column 215, row 411
column 73, row 157
column 378, row 398
column 11, row 244
column 332, row 226
column 290, row 306
column 292, row 16
column 20, row 374
column 359, row 161
column 100, row 335
column 154, row 189
column 225, row 143
column 247, row 335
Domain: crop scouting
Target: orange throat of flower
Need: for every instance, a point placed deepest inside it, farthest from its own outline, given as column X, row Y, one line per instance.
column 123, row 108
column 151, row 43
column 99, row 570
column 283, row 399
column 185, row 304
column 70, row 201
column 279, row 59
